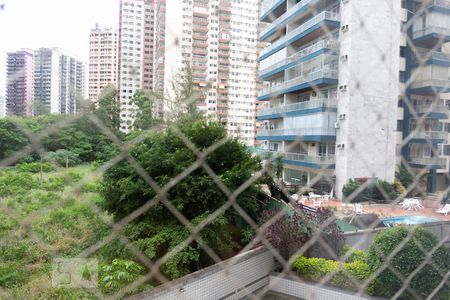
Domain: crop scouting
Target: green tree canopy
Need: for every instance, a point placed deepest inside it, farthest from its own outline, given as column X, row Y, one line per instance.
column 107, row 108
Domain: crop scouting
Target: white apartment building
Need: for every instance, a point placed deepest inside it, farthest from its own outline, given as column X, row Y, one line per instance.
column 2, row 107
column 218, row 38
column 355, row 88
column 103, row 59
column 59, row 81
column 135, row 66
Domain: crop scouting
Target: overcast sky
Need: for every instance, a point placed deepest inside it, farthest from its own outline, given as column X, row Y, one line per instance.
column 47, row 23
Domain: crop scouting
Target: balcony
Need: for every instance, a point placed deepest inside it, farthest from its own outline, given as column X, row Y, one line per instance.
column 431, row 36
column 294, row 12
column 314, row 27
column 313, row 134
column 426, row 56
column 428, row 162
column 321, row 47
column 268, row 6
column 439, row 5
column 296, row 159
column 295, row 109
column 433, row 111
column 430, row 86
column 434, row 137
column 325, row 76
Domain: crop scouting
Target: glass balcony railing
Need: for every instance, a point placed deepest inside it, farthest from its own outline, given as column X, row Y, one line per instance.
column 439, row 3
column 429, row 135
column 326, row 15
column 431, row 108
column 308, row 78
column 429, row 161
column 320, row 131
column 319, row 160
column 425, row 55
column 323, row 44
column 434, row 83
column 430, row 30
column 267, row 5
column 286, row 16
column 297, row 107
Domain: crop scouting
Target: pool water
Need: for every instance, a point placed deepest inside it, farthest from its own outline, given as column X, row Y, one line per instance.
column 411, row 220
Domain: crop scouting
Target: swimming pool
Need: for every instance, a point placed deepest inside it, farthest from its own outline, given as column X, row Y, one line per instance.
column 409, row 220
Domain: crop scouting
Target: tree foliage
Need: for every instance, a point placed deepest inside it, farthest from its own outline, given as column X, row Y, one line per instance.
column 418, row 244
column 144, row 115
column 107, row 108
column 164, row 156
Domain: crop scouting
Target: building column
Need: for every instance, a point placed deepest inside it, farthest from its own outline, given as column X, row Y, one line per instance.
column 431, row 181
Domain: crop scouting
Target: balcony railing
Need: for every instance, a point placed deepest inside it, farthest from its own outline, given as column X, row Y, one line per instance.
column 286, row 16
column 437, row 83
column 320, row 131
column 323, row 44
column 432, row 135
column 429, row 30
column 425, row 55
column 439, row 3
column 297, row 107
column 324, row 73
column 428, row 161
column 326, row 15
column 430, row 108
column 318, row 160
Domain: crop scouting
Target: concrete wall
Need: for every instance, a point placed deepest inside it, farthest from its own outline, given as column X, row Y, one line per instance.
column 363, row 238
column 244, row 275
column 371, row 74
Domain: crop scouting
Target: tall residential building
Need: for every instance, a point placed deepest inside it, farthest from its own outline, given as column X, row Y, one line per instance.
column 2, row 107
column 135, row 72
column 19, row 85
column 218, row 39
column 58, row 81
column 103, row 59
column 349, row 96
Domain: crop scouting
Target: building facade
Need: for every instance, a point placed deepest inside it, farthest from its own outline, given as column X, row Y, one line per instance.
column 2, row 106
column 58, row 82
column 218, row 39
column 103, row 57
column 136, row 42
column 339, row 75
column 19, row 82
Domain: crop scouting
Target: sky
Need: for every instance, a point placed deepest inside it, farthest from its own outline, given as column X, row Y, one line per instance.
column 52, row 23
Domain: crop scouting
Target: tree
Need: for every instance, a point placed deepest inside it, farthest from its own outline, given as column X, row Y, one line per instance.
column 144, row 115
column 108, row 108
column 63, row 157
column 40, row 108
column 12, row 139
column 164, row 156
column 418, row 244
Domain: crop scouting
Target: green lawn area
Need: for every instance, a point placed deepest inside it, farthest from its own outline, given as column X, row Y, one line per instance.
column 41, row 219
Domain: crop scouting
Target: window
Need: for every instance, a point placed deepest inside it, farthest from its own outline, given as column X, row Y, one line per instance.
column 402, row 51
column 399, row 125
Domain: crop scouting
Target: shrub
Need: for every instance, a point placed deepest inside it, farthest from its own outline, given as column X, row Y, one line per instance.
column 55, row 183
column 64, row 157
column 406, row 261
column 346, row 275
column 17, row 184
column 353, row 254
column 373, row 191
column 35, row 167
column 12, row 274
column 118, row 274
column 92, row 187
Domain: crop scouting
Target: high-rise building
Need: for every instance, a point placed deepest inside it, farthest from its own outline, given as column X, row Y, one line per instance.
column 2, row 107
column 135, row 72
column 19, row 85
column 218, row 39
column 58, row 82
column 355, row 89
column 103, row 59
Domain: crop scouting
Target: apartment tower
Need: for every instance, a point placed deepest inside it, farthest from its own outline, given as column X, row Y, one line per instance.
column 135, row 71
column 103, row 59
column 2, row 107
column 218, row 39
column 19, row 85
column 58, row 82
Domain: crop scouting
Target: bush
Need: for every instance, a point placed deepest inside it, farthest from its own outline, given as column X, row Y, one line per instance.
column 354, row 254
column 35, row 167
column 17, row 184
column 406, row 261
column 12, row 275
column 371, row 192
column 64, row 157
column 118, row 274
column 345, row 275
column 55, row 184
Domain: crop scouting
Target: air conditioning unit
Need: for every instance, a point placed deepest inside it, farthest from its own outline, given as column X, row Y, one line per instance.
column 342, row 116
column 343, row 87
column 344, row 57
column 345, row 1
column 344, row 27
column 314, row 94
column 341, row 146
column 336, row 125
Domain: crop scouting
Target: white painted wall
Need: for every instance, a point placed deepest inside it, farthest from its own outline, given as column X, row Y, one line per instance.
column 370, row 101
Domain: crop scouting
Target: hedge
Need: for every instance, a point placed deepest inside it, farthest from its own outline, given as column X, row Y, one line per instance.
column 346, row 275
